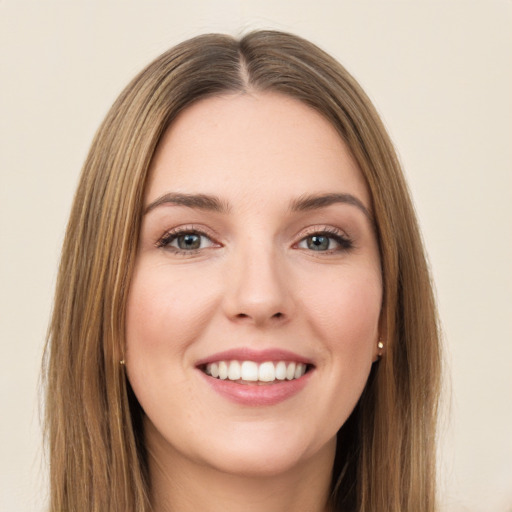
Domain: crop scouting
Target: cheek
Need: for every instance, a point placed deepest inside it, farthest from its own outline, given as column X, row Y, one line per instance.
column 165, row 309
column 345, row 309
column 166, row 312
column 342, row 311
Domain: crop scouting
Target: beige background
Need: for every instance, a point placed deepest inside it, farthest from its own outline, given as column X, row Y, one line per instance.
column 440, row 74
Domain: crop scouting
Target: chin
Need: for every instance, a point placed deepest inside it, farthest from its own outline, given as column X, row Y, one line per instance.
column 256, row 462
column 263, row 453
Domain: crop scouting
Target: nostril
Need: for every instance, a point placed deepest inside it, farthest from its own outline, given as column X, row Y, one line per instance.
column 277, row 315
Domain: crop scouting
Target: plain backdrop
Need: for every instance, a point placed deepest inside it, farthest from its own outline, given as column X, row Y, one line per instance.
column 440, row 74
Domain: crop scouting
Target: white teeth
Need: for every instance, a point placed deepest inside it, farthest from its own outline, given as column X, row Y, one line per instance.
column 223, row 370
column 281, row 370
column 234, row 370
column 267, row 372
column 290, row 371
column 251, row 371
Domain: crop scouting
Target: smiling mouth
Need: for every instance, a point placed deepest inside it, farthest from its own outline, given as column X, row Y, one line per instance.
column 250, row 372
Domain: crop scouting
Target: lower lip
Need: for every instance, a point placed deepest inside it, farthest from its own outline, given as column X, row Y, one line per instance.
column 257, row 395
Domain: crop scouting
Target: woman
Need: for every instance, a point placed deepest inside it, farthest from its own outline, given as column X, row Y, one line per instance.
column 244, row 318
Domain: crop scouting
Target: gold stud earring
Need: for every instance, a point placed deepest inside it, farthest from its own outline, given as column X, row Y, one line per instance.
column 380, row 345
column 122, row 362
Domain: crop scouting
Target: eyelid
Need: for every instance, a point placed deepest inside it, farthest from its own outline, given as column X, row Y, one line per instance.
column 322, row 229
column 341, row 237
column 173, row 233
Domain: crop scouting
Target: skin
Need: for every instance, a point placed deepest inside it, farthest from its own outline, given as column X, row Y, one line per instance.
column 254, row 282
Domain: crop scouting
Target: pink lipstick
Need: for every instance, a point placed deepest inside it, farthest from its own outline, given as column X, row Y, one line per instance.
column 256, row 378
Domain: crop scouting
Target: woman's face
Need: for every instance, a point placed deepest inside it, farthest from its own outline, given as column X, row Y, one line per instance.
column 253, row 312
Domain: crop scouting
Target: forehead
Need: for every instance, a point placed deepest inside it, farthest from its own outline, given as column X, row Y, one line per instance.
column 252, row 146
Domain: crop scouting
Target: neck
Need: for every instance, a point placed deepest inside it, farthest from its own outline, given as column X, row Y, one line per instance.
column 181, row 485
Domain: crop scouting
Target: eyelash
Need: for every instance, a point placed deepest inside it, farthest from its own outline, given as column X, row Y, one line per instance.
column 344, row 242
column 171, row 236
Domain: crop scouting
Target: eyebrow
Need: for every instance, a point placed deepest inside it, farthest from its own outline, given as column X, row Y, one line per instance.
column 200, row 201
column 211, row 203
column 309, row 202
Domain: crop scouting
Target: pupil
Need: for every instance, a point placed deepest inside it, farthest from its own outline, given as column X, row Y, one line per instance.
column 190, row 241
column 318, row 243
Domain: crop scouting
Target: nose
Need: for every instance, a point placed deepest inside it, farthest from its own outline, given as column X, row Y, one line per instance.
column 258, row 291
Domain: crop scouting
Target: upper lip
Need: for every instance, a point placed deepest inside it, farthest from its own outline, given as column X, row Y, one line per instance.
column 258, row 356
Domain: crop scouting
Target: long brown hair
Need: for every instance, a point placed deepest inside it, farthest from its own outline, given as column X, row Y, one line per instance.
column 385, row 457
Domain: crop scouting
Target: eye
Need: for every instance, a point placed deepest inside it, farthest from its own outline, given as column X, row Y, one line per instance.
column 185, row 241
column 325, row 242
